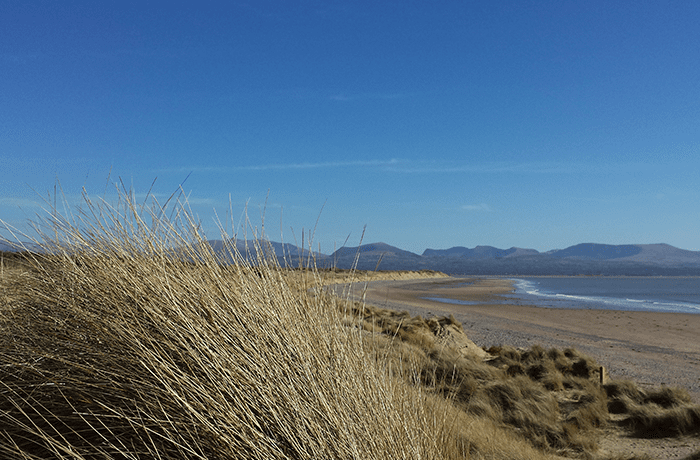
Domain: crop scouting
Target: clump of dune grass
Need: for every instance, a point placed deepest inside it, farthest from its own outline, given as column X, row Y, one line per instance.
column 130, row 339
column 656, row 413
column 562, row 406
column 653, row 421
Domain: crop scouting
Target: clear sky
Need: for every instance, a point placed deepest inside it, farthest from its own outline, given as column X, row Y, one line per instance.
column 435, row 124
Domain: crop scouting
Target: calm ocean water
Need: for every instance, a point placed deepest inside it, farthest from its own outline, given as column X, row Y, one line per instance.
column 663, row 294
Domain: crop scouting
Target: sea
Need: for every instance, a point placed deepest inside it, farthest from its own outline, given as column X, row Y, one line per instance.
column 657, row 294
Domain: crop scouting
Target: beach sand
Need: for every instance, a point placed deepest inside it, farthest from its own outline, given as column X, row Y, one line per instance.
column 649, row 348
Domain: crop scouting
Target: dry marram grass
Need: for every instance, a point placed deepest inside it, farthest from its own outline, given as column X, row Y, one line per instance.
column 128, row 339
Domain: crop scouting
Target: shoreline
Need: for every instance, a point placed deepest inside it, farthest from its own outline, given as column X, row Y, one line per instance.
column 579, row 276
column 650, row 348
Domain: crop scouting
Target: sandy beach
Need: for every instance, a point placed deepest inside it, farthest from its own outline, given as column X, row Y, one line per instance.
column 649, row 348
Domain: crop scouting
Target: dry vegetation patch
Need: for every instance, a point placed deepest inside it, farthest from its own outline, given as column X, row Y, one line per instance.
column 343, row 276
column 664, row 412
column 130, row 338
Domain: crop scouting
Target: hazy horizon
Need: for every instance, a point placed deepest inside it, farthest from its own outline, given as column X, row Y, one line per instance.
column 506, row 124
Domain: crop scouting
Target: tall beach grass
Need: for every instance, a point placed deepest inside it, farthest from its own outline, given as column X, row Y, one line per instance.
column 128, row 338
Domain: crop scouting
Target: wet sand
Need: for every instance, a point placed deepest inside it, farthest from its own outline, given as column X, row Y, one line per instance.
column 649, row 348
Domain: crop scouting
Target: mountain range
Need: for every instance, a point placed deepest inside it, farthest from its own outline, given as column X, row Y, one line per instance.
column 581, row 259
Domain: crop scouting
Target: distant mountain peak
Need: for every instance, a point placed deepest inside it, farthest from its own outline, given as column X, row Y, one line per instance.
column 373, row 248
column 479, row 252
column 598, row 251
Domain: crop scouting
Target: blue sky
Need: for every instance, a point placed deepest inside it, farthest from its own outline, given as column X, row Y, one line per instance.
column 433, row 124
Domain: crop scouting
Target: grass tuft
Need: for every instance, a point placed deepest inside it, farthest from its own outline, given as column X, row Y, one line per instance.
column 653, row 421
